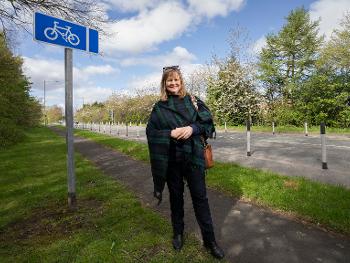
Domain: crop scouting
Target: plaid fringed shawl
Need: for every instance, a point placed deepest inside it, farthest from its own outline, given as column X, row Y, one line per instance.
column 166, row 116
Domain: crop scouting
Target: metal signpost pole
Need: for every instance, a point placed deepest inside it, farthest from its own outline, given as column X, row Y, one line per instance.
column 70, row 35
column 68, row 70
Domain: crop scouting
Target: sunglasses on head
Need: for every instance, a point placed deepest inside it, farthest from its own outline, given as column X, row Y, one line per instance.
column 171, row 68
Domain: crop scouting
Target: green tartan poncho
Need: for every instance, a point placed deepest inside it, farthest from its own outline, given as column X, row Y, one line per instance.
column 166, row 116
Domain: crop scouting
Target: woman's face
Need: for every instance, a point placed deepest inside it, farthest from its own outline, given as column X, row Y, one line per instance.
column 173, row 83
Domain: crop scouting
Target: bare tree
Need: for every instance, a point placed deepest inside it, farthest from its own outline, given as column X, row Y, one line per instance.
column 16, row 14
column 196, row 82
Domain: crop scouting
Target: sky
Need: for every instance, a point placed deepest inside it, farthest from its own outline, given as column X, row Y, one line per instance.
column 151, row 34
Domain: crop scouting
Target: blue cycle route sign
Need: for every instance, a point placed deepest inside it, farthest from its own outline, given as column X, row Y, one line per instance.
column 64, row 33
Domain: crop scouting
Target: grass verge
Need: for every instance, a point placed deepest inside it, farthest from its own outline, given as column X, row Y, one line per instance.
column 322, row 204
column 109, row 225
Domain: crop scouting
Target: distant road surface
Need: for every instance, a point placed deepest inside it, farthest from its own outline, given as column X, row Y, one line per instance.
column 288, row 154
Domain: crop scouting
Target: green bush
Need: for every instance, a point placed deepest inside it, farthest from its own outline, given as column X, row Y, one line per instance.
column 10, row 133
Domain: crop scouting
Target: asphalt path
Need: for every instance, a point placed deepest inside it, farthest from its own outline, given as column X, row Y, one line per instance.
column 287, row 154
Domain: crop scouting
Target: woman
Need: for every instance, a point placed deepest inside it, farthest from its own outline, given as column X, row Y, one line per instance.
column 176, row 151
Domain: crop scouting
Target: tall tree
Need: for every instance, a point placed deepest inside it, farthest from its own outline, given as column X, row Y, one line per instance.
column 335, row 56
column 325, row 96
column 18, row 109
column 290, row 55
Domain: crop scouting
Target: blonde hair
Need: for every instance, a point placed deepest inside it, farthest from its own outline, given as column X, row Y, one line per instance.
column 163, row 91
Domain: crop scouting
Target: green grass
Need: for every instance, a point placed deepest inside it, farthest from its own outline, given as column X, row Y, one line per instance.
column 321, row 204
column 287, row 129
column 109, row 225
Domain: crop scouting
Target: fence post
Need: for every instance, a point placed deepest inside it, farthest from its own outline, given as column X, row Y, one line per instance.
column 248, row 138
column 126, row 127
column 306, row 132
column 225, row 127
column 323, row 145
column 273, row 128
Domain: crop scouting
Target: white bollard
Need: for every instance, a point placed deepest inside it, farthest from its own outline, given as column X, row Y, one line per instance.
column 306, row 132
column 273, row 128
column 248, row 138
column 225, row 127
column 323, row 145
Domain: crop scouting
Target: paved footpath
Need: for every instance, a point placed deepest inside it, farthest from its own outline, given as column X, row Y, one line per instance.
column 246, row 232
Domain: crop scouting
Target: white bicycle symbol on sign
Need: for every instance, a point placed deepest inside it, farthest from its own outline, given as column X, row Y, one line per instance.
column 53, row 32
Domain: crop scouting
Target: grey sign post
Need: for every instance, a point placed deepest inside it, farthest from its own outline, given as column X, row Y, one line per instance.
column 68, row 72
column 72, row 36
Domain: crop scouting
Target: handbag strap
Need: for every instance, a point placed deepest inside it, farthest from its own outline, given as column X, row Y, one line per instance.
column 195, row 105
column 194, row 102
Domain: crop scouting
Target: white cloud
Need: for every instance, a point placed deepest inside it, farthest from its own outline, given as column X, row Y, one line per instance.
column 53, row 70
column 98, row 70
column 38, row 70
column 258, row 45
column 159, row 21
column 149, row 28
column 214, row 8
column 90, row 94
column 150, row 81
column 330, row 12
column 178, row 56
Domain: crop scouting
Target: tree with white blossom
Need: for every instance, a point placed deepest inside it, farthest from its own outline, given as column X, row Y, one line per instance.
column 231, row 94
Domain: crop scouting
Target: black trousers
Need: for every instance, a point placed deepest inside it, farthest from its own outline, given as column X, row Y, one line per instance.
column 178, row 171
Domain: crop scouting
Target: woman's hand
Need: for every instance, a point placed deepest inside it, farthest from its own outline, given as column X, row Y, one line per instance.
column 175, row 133
column 182, row 133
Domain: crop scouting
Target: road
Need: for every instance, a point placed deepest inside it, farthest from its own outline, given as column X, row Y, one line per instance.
column 287, row 154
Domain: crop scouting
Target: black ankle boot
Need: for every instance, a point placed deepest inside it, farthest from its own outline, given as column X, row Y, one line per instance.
column 215, row 250
column 178, row 242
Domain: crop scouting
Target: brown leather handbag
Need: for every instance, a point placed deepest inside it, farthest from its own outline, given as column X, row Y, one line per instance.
column 208, row 153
